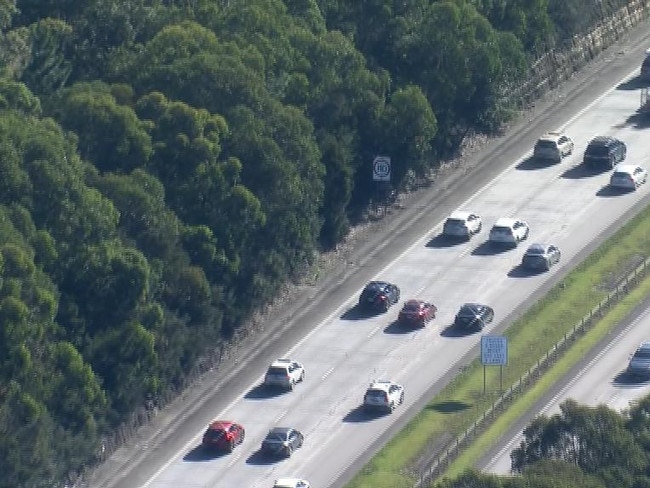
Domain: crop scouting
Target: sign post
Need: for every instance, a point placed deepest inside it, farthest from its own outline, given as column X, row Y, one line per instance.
column 494, row 351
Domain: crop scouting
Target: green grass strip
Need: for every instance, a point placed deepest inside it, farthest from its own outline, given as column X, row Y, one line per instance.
column 462, row 401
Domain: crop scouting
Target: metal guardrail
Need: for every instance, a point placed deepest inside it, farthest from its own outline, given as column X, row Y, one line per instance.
column 455, row 447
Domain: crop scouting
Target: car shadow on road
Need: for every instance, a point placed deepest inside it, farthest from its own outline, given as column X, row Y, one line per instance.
column 454, row 331
column 520, row 272
column 441, row 241
column 262, row 392
column 531, row 164
column 488, row 248
column 359, row 414
column 203, row 454
column 260, row 458
column 610, row 191
column 580, row 171
column 396, row 328
column 356, row 313
column 626, row 380
column 638, row 120
column 633, row 84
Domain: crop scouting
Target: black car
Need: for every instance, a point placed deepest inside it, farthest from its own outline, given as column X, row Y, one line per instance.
column 604, row 152
column 282, row 441
column 540, row 257
column 474, row 316
column 379, row 295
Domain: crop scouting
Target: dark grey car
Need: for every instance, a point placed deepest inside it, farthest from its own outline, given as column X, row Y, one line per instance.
column 282, row 441
column 379, row 296
column 474, row 316
column 604, row 152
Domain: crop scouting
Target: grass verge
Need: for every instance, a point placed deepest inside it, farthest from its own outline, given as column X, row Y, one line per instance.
column 462, row 401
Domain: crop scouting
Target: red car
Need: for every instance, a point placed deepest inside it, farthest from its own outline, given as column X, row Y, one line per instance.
column 223, row 435
column 417, row 312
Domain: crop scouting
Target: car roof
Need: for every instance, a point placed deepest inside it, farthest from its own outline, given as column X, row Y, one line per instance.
column 505, row 222
column 472, row 305
column 380, row 384
column 287, row 481
column 220, row 425
column 376, row 285
column 461, row 215
column 280, row 430
column 537, row 247
column 602, row 140
column 644, row 346
column 281, row 363
column 550, row 136
column 625, row 168
column 413, row 301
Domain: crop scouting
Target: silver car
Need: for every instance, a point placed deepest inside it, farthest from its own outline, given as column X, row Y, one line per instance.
column 462, row 224
column 540, row 257
column 639, row 365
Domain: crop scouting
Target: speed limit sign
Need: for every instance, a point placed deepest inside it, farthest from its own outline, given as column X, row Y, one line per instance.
column 381, row 168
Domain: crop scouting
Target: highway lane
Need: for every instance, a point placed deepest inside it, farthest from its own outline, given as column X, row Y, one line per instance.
column 344, row 352
column 601, row 381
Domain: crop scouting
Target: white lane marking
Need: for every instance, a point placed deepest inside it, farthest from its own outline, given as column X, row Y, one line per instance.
column 416, row 243
column 327, row 373
column 280, row 417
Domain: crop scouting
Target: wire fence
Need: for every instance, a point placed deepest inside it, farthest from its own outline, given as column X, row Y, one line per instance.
column 442, row 460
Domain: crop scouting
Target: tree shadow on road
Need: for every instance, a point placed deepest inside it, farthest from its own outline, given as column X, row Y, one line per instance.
column 450, row 406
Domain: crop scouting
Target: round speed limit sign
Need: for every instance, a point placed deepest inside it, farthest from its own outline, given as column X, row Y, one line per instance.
column 381, row 168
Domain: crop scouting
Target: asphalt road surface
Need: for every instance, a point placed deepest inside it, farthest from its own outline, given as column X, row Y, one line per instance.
column 342, row 351
column 600, row 380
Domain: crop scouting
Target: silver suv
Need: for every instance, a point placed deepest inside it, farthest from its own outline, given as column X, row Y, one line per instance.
column 553, row 146
column 383, row 395
column 284, row 373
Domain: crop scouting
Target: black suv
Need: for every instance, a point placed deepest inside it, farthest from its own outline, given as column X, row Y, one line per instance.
column 379, row 295
column 604, row 152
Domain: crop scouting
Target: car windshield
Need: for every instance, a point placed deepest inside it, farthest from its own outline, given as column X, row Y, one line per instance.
column 546, row 144
column 500, row 229
column 598, row 150
column 276, row 437
column 642, row 354
column 620, row 174
column 214, row 434
column 376, row 393
column 273, row 370
column 467, row 311
column 535, row 251
column 455, row 222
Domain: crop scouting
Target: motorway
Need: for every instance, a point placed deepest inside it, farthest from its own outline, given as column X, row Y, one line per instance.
column 601, row 380
column 343, row 352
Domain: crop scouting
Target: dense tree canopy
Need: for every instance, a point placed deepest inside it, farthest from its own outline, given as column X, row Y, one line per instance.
column 167, row 165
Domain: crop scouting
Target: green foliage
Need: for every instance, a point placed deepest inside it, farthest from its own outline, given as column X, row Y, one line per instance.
column 166, row 166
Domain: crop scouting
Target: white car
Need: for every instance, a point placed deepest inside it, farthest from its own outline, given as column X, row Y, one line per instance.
column 462, row 224
column 509, row 231
column 284, row 373
column 383, row 395
column 553, row 146
column 628, row 177
column 291, row 483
